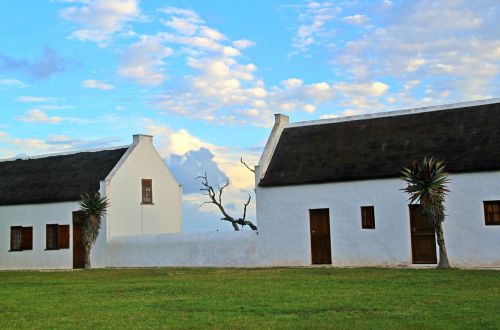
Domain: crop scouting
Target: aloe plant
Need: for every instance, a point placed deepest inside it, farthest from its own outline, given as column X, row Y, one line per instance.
column 426, row 184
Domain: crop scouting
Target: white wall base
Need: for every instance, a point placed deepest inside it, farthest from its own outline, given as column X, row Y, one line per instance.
column 210, row 249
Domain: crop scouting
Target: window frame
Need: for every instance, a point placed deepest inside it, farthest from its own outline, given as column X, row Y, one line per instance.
column 147, row 183
column 25, row 240
column 368, row 217
column 489, row 216
column 62, row 237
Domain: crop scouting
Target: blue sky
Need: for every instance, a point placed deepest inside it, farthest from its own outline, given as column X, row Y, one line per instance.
column 206, row 77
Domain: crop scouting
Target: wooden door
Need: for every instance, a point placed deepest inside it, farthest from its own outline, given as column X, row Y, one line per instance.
column 78, row 249
column 423, row 237
column 321, row 249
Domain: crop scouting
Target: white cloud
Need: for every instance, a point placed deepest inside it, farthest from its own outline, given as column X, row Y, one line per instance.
column 414, row 64
column 292, row 83
column 34, row 99
column 212, row 33
column 319, row 91
column 309, row 108
column 358, row 89
column 313, row 20
column 356, row 19
column 182, row 26
column 53, row 143
column 188, row 14
column 12, row 83
column 328, row 116
column 243, row 43
column 176, row 142
column 96, row 84
column 38, row 116
column 447, row 44
column 179, row 142
column 220, row 87
column 101, row 19
column 142, row 62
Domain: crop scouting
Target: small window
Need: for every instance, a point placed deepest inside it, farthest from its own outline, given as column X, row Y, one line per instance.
column 492, row 213
column 21, row 238
column 367, row 217
column 57, row 237
column 147, row 191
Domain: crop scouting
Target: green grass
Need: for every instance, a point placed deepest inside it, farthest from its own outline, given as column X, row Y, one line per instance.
column 251, row 298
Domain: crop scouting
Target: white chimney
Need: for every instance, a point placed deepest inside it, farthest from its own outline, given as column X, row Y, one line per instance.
column 142, row 137
column 279, row 118
column 280, row 122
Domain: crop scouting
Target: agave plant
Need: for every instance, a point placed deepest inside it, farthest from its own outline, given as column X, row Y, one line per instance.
column 94, row 207
column 426, row 184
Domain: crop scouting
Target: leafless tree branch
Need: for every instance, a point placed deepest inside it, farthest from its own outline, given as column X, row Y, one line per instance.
column 216, row 199
column 246, row 165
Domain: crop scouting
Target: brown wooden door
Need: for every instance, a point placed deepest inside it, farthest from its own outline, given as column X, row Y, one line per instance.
column 78, row 249
column 423, row 237
column 321, row 249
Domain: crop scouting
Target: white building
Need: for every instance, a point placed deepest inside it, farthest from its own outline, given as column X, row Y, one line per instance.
column 40, row 226
column 329, row 191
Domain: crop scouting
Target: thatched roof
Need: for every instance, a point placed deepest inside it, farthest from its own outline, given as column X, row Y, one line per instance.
column 55, row 178
column 467, row 139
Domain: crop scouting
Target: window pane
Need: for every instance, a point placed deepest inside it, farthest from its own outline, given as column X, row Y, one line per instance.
column 492, row 212
column 51, row 237
column 367, row 217
column 147, row 191
column 15, row 238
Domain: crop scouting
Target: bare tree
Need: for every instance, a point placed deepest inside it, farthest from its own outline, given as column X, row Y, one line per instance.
column 216, row 199
column 247, row 166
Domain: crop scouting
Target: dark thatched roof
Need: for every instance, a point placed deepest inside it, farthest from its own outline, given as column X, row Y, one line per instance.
column 467, row 139
column 55, row 178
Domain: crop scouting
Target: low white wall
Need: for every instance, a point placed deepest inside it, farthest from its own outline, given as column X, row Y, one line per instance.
column 283, row 219
column 217, row 249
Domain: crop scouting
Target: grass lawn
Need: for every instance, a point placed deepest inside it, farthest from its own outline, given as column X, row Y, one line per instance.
column 251, row 298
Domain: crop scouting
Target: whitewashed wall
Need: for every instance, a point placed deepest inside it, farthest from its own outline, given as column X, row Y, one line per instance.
column 38, row 216
column 283, row 219
column 215, row 249
column 126, row 214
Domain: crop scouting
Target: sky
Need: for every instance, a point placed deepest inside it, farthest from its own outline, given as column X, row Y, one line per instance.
column 205, row 77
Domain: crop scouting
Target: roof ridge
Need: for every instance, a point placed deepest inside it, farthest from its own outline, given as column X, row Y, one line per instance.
column 408, row 111
column 64, row 153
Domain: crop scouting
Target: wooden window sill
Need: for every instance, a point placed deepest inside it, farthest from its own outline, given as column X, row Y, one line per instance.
column 147, row 203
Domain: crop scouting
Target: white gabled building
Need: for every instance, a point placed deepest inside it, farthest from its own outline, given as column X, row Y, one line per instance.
column 329, row 191
column 39, row 219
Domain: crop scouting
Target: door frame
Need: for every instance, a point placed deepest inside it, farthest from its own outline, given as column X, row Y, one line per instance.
column 412, row 239
column 77, row 223
column 329, row 236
